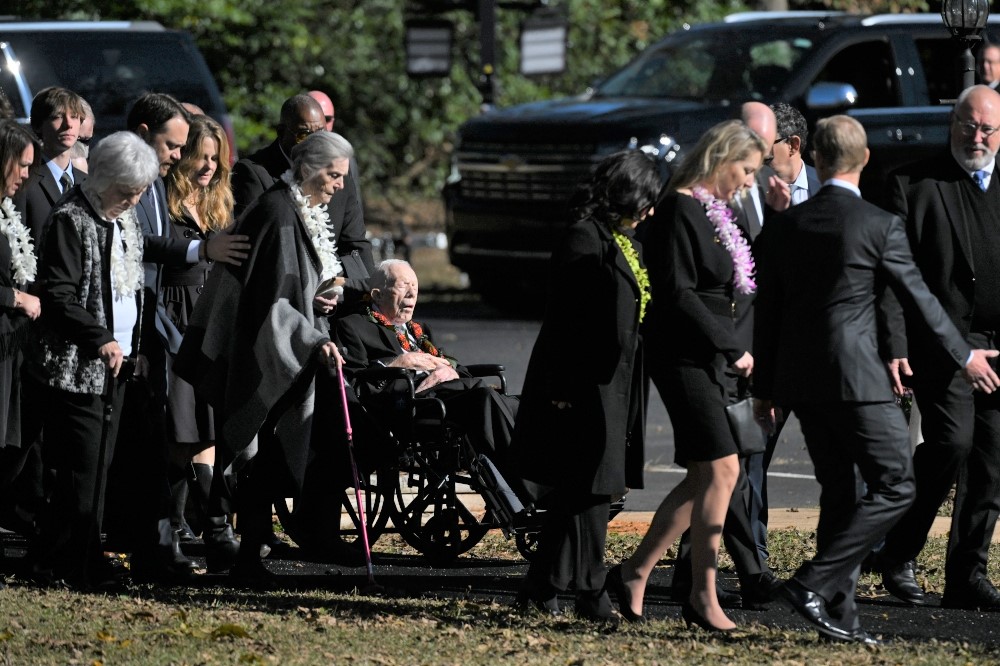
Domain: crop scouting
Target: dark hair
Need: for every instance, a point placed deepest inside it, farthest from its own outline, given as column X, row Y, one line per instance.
column 790, row 123
column 154, row 110
column 52, row 100
column 6, row 108
column 622, row 186
column 13, row 140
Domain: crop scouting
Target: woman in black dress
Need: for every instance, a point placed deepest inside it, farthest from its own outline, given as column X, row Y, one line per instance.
column 17, row 267
column 200, row 202
column 701, row 272
column 578, row 438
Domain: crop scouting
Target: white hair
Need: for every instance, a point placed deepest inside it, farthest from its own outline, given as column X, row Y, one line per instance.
column 123, row 159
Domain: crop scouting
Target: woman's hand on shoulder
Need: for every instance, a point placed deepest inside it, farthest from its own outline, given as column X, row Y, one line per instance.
column 743, row 366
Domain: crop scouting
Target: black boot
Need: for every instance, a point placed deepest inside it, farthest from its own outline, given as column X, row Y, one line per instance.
column 221, row 546
column 178, row 502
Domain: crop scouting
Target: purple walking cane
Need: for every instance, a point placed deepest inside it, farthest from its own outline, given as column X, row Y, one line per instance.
column 357, row 480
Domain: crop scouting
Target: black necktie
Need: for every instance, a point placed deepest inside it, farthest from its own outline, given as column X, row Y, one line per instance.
column 65, row 181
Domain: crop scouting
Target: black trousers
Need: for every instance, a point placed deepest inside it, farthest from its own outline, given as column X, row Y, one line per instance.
column 961, row 445
column 861, row 455
column 78, row 446
column 571, row 544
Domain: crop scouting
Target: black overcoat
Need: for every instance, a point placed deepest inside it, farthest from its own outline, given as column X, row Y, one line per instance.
column 588, row 354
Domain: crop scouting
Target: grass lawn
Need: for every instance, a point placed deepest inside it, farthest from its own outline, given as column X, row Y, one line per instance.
column 218, row 625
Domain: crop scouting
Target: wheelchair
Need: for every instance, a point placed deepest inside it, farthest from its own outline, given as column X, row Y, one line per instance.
column 426, row 482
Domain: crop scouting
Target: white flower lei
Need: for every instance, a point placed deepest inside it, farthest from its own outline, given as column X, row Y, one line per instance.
column 317, row 223
column 127, row 271
column 23, row 264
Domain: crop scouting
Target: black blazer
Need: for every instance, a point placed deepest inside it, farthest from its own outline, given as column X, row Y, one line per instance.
column 691, row 318
column 927, row 195
column 821, row 265
column 37, row 196
column 253, row 175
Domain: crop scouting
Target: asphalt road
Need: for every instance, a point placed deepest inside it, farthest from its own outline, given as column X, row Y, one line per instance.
column 474, row 332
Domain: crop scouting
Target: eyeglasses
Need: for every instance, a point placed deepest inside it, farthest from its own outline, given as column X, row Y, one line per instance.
column 770, row 158
column 970, row 129
column 302, row 134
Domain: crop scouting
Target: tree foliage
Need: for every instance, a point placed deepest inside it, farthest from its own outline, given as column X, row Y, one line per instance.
column 262, row 51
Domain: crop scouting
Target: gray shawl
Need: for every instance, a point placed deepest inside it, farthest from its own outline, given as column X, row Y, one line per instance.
column 251, row 345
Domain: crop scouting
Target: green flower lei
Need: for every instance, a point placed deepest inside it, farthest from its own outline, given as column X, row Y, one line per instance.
column 641, row 276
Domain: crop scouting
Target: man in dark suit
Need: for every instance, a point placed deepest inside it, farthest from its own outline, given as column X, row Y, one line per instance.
column 821, row 266
column 56, row 114
column 951, row 204
column 301, row 115
column 787, row 181
column 140, row 468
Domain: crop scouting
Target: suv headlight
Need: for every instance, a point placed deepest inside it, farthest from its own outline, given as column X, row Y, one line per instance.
column 664, row 147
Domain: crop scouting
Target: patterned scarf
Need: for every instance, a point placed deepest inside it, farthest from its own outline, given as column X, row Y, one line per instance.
column 414, row 329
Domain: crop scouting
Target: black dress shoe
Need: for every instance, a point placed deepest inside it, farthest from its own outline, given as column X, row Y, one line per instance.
column 250, row 573
column 901, row 581
column 811, row 606
column 595, row 606
column 758, row 591
column 541, row 598
column 858, row 635
column 623, row 594
column 981, row 596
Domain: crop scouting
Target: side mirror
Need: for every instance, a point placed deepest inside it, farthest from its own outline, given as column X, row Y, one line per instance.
column 831, row 96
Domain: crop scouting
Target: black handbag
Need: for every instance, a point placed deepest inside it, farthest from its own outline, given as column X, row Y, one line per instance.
column 749, row 436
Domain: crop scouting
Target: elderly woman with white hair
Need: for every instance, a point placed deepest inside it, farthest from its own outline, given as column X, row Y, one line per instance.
column 260, row 334
column 89, row 280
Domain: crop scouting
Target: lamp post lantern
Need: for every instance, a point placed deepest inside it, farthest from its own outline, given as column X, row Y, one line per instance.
column 965, row 19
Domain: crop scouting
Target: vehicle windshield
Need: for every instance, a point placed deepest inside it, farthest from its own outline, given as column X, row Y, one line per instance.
column 112, row 69
column 713, row 66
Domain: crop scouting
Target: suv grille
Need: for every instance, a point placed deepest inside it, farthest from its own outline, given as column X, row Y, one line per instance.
column 523, row 172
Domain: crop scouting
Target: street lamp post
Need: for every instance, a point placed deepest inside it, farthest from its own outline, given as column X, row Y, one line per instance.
column 965, row 19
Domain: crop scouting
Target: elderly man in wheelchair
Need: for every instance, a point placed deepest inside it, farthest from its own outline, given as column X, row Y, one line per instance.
column 449, row 428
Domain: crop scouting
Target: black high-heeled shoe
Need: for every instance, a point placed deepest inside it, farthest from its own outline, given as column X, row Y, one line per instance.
column 623, row 595
column 691, row 616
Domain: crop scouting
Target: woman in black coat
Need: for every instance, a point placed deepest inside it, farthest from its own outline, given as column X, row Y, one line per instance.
column 578, row 437
column 701, row 272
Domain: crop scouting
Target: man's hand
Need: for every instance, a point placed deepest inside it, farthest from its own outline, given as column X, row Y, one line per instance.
column 767, row 415
column 744, row 365
column 112, row 356
column 979, row 373
column 438, row 375
column 899, row 368
column 228, row 248
column 419, row 361
column 779, row 194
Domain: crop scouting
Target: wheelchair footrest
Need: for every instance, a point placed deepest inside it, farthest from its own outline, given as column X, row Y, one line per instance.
column 499, row 496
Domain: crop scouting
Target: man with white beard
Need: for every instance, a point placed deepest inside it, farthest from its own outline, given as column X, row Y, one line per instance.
column 951, row 205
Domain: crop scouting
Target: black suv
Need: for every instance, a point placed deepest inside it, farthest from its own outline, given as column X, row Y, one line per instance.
column 515, row 168
column 109, row 63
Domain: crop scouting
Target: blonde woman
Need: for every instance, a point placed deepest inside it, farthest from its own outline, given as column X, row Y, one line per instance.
column 701, row 274
column 200, row 203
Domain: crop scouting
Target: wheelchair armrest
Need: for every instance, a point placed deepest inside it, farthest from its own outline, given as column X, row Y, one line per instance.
column 429, row 408
column 380, row 376
column 489, row 370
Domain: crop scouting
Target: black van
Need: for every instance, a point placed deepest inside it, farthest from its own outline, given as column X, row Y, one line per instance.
column 108, row 63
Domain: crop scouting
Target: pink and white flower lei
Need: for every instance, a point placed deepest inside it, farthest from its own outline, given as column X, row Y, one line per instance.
column 731, row 238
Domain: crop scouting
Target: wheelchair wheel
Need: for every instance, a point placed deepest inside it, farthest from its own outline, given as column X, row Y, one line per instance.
column 436, row 514
column 375, row 497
